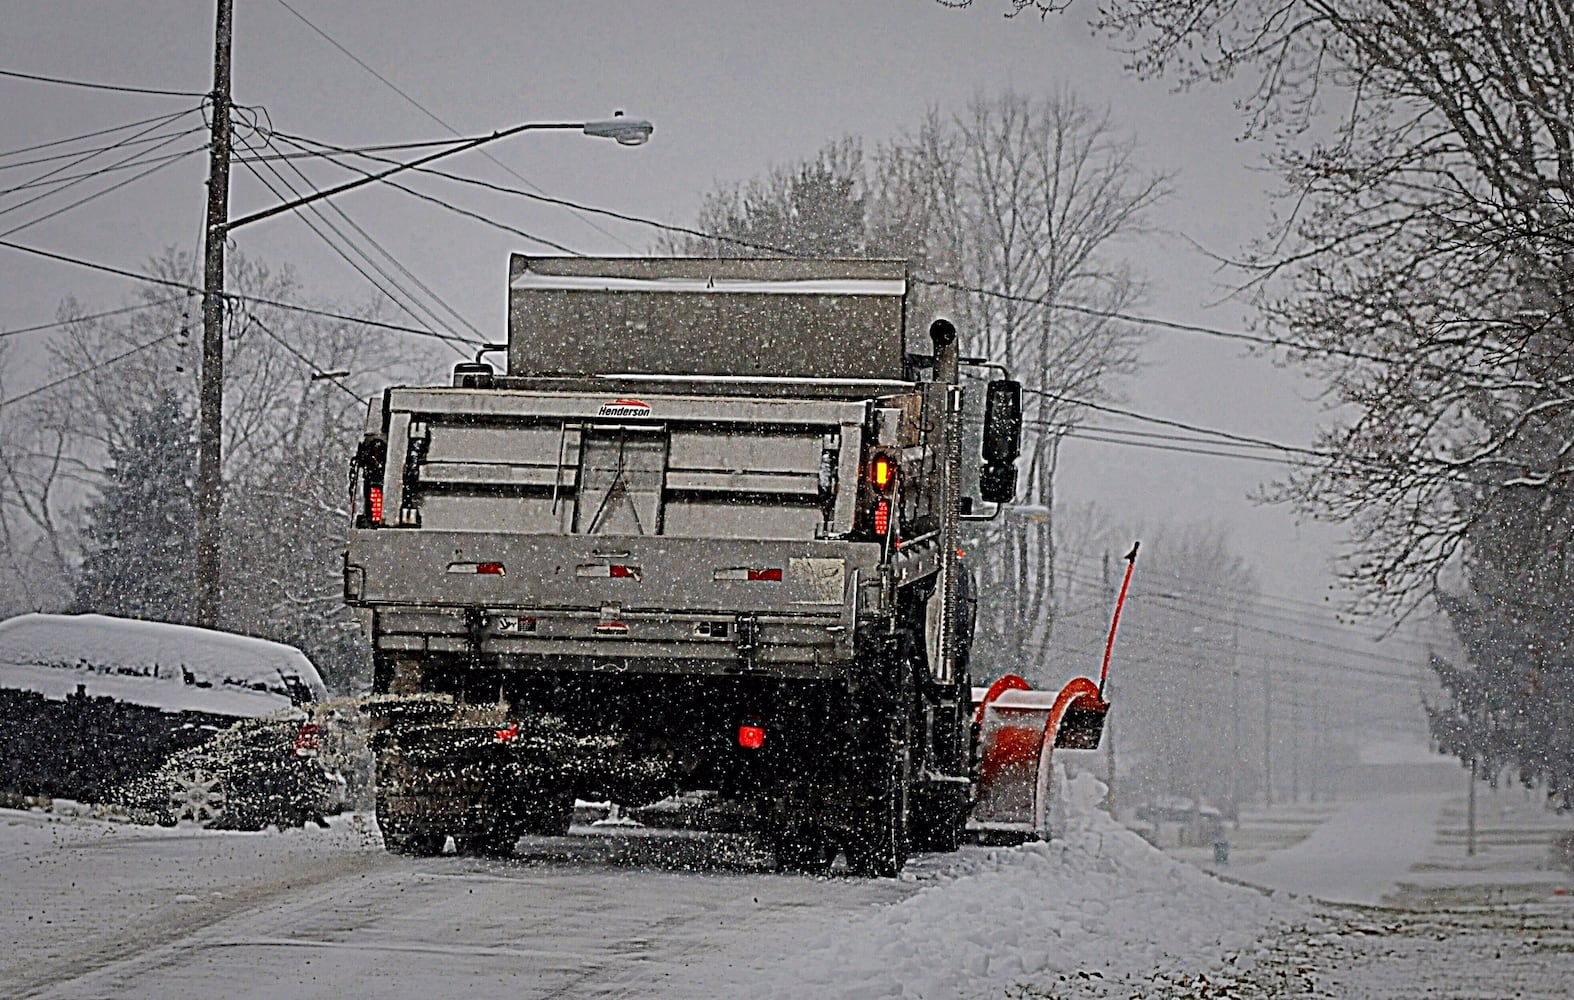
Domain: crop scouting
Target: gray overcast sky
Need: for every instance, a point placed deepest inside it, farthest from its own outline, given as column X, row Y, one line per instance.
column 732, row 88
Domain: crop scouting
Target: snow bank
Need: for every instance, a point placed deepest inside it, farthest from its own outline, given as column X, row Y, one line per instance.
column 1096, row 912
column 175, row 668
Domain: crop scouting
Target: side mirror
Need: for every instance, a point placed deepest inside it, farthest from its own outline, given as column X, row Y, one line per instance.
column 997, row 480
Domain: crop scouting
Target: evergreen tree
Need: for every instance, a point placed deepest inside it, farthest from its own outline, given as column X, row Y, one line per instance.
column 1511, row 704
column 139, row 556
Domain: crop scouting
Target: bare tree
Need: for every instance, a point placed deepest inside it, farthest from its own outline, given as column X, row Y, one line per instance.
column 1014, row 211
column 296, row 390
column 36, row 510
column 1425, row 256
column 1007, row 214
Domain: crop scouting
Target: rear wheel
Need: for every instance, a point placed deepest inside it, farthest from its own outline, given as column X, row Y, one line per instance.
column 416, row 844
column 491, row 844
column 803, row 847
column 938, row 819
column 547, row 814
column 877, row 843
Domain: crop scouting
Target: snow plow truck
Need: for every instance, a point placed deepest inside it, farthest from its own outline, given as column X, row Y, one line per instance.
column 701, row 533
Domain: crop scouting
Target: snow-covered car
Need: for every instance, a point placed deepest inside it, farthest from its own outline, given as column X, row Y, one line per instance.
column 91, row 704
column 257, row 773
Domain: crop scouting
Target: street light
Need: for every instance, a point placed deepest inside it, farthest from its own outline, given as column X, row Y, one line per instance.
column 625, row 131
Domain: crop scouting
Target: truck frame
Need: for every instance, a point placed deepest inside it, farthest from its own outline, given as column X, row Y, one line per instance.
column 701, row 534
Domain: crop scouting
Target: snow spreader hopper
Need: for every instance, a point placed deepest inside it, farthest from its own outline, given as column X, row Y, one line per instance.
column 700, row 534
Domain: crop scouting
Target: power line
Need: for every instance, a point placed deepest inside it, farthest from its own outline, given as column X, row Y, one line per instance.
column 1160, row 436
column 301, row 211
column 433, row 116
column 1149, row 321
column 1082, row 435
column 63, row 156
column 161, row 163
column 93, row 155
column 543, row 198
column 385, row 147
column 60, row 182
column 1196, row 606
column 95, row 134
column 316, row 369
column 391, row 259
column 89, row 317
column 238, row 297
column 437, row 201
column 1229, row 436
column 76, row 375
column 456, row 314
column 1209, row 331
column 1217, row 600
column 100, row 86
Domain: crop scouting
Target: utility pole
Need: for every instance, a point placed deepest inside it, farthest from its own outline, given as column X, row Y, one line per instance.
column 210, row 424
column 1267, row 731
column 1470, row 821
column 1235, row 717
column 1295, row 750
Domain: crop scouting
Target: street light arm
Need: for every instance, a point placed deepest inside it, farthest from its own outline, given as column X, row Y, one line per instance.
column 421, row 161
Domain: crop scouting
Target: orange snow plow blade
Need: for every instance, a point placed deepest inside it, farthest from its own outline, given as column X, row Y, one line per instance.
column 1018, row 729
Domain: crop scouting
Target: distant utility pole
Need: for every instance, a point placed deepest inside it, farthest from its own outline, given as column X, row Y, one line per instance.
column 1470, row 821
column 210, row 423
column 1267, row 731
column 1295, row 750
column 1235, row 717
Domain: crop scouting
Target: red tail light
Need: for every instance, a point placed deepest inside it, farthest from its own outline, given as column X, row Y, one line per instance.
column 307, row 740
column 882, row 473
column 489, row 569
column 751, row 734
column 882, row 516
column 374, row 504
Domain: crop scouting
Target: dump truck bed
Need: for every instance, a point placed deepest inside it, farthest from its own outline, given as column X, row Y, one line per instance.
column 592, row 525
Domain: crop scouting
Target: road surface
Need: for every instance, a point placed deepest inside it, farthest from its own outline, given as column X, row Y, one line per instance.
column 98, row 909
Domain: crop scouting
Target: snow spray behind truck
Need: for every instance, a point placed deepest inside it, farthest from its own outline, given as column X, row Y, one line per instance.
column 701, row 534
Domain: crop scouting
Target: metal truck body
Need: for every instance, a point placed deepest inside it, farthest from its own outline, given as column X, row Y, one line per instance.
column 702, row 534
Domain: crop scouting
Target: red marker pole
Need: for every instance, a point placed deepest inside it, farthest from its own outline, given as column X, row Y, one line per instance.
column 1109, row 645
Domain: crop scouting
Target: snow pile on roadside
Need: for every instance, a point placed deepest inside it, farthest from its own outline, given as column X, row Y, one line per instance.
column 1097, row 912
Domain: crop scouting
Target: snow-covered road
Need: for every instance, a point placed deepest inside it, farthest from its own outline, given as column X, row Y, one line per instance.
column 94, row 909
column 103, row 911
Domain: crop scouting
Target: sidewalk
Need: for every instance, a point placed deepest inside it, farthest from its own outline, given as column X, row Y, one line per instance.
column 1362, row 853
column 1404, row 850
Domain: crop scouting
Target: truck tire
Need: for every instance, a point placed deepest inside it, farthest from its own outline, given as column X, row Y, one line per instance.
column 547, row 814
column 937, row 819
column 803, row 847
column 490, row 844
column 416, row 810
column 877, row 842
column 423, row 844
